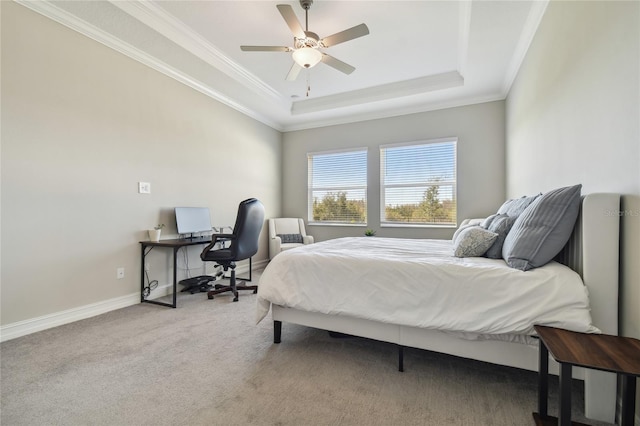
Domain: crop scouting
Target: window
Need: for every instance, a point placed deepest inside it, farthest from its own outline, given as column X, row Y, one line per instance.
column 337, row 189
column 418, row 183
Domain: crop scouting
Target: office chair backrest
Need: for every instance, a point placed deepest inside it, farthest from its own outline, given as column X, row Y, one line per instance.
column 247, row 229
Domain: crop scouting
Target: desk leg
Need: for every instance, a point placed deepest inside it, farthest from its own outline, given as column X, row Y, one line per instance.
column 564, row 416
column 628, row 400
column 543, row 379
column 142, row 275
column 175, row 276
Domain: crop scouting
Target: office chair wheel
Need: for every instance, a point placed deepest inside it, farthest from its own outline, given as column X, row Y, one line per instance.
column 235, row 299
column 209, row 296
column 255, row 291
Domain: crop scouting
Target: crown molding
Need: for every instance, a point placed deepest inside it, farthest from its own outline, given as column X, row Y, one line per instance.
column 53, row 12
column 175, row 30
column 397, row 112
column 464, row 29
column 529, row 30
column 379, row 93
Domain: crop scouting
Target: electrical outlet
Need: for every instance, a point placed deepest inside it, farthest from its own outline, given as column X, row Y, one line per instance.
column 120, row 273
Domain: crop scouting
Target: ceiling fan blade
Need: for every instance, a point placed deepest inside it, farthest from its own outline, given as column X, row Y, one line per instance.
column 346, row 35
column 337, row 64
column 265, row 49
column 291, row 19
column 293, row 72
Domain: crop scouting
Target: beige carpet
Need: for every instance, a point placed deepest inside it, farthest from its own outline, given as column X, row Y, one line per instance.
column 207, row 363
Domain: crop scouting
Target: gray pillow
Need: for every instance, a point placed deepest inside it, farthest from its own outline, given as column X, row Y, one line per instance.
column 489, row 220
column 501, row 226
column 516, row 206
column 543, row 229
column 290, row 238
column 473, row 242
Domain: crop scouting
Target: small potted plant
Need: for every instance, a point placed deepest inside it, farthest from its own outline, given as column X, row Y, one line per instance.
column 369, row 233
column 154, row 234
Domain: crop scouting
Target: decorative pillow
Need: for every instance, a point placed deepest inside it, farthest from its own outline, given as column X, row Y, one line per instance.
column 487, row 222
column 516, row 206
column 466, row 224
column 543, row 229
column 290, row 238
column 459, row 230
column 473, row 242
column 501, row 226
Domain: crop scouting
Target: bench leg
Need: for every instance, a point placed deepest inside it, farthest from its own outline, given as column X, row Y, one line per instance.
column 543, row 379
column 564, row 416
column 628, row 400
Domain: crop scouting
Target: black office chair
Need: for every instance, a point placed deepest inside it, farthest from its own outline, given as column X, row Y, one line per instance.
column 243, row 245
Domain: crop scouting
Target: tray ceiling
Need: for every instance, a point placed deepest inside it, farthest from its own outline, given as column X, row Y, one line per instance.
column 419, row 55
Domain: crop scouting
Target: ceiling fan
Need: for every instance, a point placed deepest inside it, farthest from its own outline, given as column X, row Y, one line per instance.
column 307, row 45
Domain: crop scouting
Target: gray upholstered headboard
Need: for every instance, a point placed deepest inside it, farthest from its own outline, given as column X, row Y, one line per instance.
column 593, row 252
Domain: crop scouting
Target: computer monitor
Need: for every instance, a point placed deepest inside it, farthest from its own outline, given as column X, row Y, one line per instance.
column 191, row 220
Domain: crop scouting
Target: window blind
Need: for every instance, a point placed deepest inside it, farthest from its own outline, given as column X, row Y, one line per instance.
column 418, row 183
column 337, row 187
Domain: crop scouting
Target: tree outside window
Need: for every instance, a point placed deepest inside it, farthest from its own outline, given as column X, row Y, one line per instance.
column 337, row 187
column 418, row 183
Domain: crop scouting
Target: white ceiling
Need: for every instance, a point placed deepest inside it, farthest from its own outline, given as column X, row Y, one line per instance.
column 419, row 55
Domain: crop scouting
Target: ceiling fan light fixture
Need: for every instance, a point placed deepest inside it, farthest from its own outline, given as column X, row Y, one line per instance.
column 307, row 57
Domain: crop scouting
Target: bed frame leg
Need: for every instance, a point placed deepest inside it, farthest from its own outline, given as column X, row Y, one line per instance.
column 400, row 358
column 277, row 331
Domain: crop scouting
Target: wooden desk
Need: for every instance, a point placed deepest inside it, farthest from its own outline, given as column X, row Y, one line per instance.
column 604, row 352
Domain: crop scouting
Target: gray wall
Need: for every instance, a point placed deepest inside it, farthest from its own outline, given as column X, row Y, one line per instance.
column 480, row 151
column 573, row 116
column 81, row 126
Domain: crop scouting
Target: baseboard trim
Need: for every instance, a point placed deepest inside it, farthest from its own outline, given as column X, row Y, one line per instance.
column 33, row 325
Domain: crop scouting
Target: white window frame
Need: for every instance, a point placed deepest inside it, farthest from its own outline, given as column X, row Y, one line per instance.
column 311, row 189
column 449, row 182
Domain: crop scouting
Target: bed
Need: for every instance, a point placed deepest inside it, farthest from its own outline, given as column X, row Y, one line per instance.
column 305, row 286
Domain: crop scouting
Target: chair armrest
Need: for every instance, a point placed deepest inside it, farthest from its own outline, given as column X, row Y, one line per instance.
column 215, row 238
column 307, row 239
column 274, row 246
column 223, row 237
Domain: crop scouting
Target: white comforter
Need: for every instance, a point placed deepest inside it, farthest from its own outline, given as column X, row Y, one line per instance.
column 419, row 283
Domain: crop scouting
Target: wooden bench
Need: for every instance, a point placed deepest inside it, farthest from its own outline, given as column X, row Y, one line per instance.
column 604, row 352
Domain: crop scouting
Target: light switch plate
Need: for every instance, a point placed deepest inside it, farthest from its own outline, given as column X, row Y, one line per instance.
column 144, row 188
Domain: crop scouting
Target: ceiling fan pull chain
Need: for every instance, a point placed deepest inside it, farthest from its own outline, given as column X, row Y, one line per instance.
column 308, row 83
